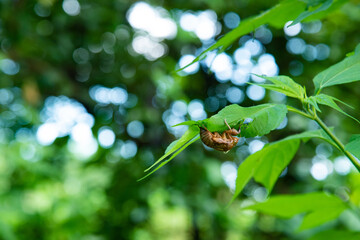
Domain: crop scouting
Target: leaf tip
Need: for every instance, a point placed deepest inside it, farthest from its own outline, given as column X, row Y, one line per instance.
column 140, row 179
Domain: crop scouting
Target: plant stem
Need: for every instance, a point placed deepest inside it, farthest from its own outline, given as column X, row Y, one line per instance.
column 341, row 146
column 337, row 142
column 292, row 109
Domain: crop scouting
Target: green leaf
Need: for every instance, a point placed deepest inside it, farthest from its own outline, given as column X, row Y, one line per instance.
column 316, row 218
column 324, row 6
column 265, row 117
column 171, row 157
column 328, row 101
column 319, row 207
column 176, row 147
column 325, row 13
column 354, row 145
column 267, row 164
column 336, row 235
column 245, row 172
column 346, row 71
column 285, row 85
column 312, row 101
column 276, row 17
column 189, row 123
column 280, row 153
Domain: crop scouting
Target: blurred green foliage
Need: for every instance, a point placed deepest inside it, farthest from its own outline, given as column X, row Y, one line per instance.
column 54, row 191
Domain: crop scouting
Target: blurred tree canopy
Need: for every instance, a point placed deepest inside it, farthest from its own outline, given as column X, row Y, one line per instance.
column 88, row 95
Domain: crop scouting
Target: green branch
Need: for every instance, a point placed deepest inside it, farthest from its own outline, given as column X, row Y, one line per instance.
column 295, row 110
column 338, row 143
column 329, row 133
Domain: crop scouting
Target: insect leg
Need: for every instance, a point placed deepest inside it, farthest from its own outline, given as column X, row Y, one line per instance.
column 216, row 134
column 227, row 124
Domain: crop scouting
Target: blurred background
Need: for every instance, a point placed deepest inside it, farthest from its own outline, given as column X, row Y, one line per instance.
column 88, row 95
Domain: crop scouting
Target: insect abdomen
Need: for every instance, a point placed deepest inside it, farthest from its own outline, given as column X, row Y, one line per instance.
column 217, row 142
column 206, row 137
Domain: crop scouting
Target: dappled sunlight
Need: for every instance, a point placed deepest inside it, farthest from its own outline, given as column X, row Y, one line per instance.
column 71, row 7
column 292, row 30
column 204, row 24
column 90, row 93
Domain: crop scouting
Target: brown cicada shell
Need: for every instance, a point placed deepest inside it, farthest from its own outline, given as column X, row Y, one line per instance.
column 223, row 142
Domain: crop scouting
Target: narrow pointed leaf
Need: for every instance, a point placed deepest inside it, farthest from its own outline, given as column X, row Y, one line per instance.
column 176, row 145
column 312, row 101
column 189, row 123
column 354, row 146
column 324, row 6
column 336, row 4
column 171, row 157
column 346, row 71
column 285, row 85
column 330, row 102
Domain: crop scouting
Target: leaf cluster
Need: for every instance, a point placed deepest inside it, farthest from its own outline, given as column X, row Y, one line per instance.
column 266, row 165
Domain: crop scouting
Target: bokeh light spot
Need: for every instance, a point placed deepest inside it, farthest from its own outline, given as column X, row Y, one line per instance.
column 187, row 21
column 296, row 68
column 342, row 165
column 264, row 35
column 293, row 30
column 311, row 27
column 185, row 60
column 71, row 7
column 128, row 149
column 242, row 56
column 255, row 93
column 240, row 76
column 231, row 20
column 212, row 104
column 319, row 171
column 234, row 95
column 179, row 108
column 106, row 95
column 310, row 53
column 81, row 55
column 47, row 133
column 296, row 46
column 154, row 21
column 196, row 110
column 9, row 67
column 106, row 137
column 229, row 173
column 323, row 51
column 135, row 128
column 204, row 24
column 254, row 46
column 255, row 145
column 81, row 132
column 42, row 10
